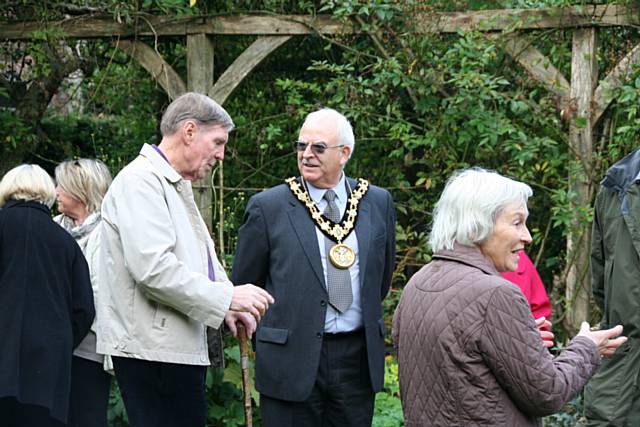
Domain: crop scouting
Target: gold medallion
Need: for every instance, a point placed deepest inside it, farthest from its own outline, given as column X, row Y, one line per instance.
column 342, row 256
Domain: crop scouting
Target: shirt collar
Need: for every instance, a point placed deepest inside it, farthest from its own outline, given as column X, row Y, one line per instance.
column 317, row 194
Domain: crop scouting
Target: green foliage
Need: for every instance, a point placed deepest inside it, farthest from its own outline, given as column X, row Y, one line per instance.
column 422, row 106
column 388, row 408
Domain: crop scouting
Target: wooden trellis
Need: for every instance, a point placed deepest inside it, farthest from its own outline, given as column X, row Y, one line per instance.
column 580, row 95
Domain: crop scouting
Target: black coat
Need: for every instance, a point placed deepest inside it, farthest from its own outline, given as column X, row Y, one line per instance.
column 46, row 306
column 278, row 250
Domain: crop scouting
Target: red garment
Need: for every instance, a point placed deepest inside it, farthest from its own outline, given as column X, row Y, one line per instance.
column 528, row 280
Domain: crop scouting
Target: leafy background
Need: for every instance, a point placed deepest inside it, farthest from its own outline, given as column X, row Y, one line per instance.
column 422, row 106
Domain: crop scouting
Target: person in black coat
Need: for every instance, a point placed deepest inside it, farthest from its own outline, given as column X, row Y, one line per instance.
column 46, row 302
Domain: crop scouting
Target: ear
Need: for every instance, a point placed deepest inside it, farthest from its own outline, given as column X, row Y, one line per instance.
column 188, row 131
column 346, row 153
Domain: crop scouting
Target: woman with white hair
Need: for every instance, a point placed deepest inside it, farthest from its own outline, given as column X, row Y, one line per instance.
column 46, row 304
column 469, row 351
column 81, row 186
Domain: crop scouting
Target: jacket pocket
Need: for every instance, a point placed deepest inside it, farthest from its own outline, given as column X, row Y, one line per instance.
column 160, row 316
column 272, row 335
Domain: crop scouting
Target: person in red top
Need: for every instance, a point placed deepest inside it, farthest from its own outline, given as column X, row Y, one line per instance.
column 529, row 282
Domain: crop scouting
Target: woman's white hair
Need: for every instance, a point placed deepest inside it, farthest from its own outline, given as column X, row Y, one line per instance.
column 469, row 205
column 27, row 182
column 86, row 180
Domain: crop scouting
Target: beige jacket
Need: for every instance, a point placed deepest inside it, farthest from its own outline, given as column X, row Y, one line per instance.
column 155, row 295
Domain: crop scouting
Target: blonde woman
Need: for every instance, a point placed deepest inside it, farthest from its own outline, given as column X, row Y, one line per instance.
column 46, row 304
column 81, row 185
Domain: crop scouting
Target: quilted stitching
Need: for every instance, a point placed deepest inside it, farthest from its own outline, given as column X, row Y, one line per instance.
column 469, row 352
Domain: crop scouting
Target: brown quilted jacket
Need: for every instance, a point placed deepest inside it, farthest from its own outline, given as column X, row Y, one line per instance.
column 469, row 353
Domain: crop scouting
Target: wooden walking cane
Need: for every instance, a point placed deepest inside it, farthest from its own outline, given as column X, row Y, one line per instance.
column 244, row 365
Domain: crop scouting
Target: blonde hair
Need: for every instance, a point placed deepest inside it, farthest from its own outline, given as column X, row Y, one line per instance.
column 27, row 182
column 86, row 180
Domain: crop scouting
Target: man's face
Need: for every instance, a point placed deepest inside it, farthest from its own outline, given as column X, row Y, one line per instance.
column 323, row 170
column 206, row 146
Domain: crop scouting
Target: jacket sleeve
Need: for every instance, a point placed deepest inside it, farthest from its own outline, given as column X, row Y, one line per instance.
column 82, row 305
column 511, row 346
column 251, row 261
column 390, row 248
column 144, row 227
column 597, row 256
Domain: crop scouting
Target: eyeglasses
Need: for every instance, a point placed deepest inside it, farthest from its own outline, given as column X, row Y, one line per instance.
column 316, row 147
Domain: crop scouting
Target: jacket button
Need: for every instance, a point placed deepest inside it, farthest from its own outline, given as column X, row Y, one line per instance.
column 179, row 187
column 323, row 303
column 319, row 335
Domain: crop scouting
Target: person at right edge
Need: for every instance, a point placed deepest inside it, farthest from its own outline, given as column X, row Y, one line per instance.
column 612, row 397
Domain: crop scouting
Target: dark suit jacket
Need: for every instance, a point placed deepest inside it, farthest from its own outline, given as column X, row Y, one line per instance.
column 278, row 250
column 46, row 306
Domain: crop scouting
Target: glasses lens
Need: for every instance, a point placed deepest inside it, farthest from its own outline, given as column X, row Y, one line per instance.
column 318, row 148
column 300, row 145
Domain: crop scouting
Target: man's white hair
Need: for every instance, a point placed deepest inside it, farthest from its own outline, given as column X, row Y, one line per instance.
column 344, row 131
column 469, row 205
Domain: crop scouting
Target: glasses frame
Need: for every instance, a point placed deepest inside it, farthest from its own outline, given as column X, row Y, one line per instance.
column 316, row 147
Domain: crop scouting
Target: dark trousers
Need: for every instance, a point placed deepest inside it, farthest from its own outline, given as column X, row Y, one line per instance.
column 17, row 414
column 341, row 396
column 89, row 398
column 158, row 394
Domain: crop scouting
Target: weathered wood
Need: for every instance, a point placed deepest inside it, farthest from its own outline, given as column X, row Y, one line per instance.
column 442, row 22
column 244, row 64
column 584, row 75
column 539, row 66
column 614, row 79
column 199, row 63
column 199, row 79
column 155, row 26
column 153, row 62
column 527, row 19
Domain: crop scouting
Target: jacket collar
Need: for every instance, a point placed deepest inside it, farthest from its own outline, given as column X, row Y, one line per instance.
column 160, row 163
column 469, row 255
column 620, row 176
column 27, row 204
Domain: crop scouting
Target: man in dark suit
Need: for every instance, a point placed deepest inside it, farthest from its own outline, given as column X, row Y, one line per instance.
column 324, row 246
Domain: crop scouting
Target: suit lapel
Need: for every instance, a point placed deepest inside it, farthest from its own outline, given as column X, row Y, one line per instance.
column 363, row 233
column 306, row 232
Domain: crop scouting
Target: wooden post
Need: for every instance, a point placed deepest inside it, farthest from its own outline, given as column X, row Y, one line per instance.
column 584, row 75
column 200, row 79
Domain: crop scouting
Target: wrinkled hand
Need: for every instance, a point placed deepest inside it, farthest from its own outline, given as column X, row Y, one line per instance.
column 544, row 327
column 233, row 318
column 605, row 340
column 251, row 299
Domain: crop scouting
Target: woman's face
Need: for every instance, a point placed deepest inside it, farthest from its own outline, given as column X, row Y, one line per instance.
column 509, row 237
column 67, row 204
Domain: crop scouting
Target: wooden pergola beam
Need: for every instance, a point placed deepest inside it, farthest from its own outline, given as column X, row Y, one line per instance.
column 157, row 26
column 291, row 25
column 153, row 62
column 540, row 68
column 243, row 65
column 528, row 19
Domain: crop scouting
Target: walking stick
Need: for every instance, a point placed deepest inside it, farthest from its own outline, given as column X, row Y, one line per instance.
column 244, row 365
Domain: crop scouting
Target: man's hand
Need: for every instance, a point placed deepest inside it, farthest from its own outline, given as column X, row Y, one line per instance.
column 251, row 299
column 605, row 340
column 544, row 327
column 232, row 318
